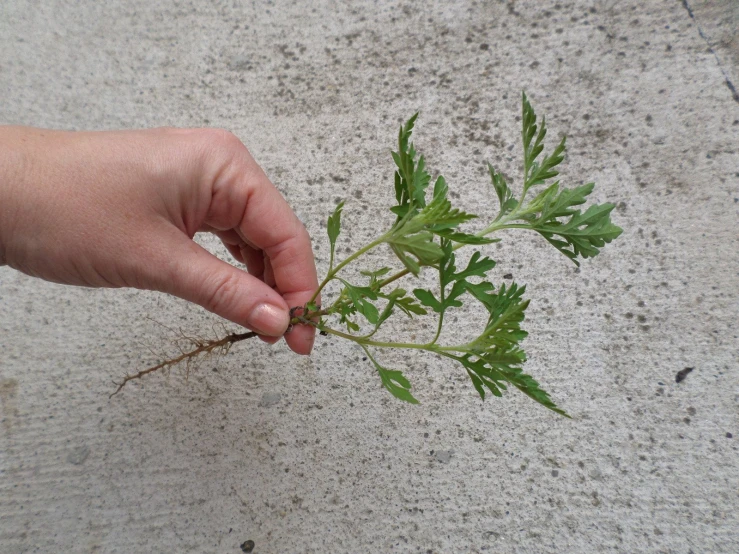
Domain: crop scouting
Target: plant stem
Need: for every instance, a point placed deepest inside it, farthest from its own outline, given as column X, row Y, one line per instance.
column 332, row 273
column 441, row 299
column 362, row 341
column 380, row 344
column 497, row 226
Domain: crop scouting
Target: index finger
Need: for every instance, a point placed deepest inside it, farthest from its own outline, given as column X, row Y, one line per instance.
column 266, row 221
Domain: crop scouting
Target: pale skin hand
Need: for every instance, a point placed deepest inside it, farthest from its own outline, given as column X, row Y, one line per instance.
column 119, row 209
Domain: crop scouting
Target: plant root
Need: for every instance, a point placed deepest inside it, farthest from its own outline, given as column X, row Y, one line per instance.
column 299, row 315
column 202, row 346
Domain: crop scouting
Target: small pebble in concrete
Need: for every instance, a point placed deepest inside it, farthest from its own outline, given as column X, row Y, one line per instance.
column 270, row 399
column 443, row 456
column 239, row 62
column 247, row 546
column 78, row 455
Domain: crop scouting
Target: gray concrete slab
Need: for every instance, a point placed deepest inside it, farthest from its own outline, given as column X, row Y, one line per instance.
column 311, row 455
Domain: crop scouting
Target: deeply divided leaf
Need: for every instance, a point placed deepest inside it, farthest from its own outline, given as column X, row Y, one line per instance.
column 394, row 381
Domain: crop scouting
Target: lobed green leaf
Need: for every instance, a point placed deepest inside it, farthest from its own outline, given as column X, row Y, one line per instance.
column 360, row 298
column 334, row 227
column 394, row 381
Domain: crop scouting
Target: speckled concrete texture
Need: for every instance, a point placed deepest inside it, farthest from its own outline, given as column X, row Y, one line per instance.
column 309, row 455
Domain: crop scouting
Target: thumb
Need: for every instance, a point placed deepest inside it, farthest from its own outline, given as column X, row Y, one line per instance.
column 194, row 274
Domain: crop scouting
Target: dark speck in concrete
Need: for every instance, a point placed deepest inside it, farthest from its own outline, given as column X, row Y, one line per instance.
column 247, row 546
column 682, row 374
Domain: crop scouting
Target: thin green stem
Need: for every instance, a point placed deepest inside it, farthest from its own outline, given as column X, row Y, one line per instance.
column 381, row 344
column 331, row 259
column 392, row 278
column 441, row 299
column 496, row 226
column 370, row 356
column 332, row 273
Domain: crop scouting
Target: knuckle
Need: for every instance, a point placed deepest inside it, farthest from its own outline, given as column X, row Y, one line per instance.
column 287, row 249
column 222, row 292
column 221, row 140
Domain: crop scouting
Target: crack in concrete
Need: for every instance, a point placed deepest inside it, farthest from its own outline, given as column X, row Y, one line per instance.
column 729, row 84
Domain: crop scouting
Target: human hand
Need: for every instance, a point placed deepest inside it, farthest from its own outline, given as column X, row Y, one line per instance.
column 119, row 209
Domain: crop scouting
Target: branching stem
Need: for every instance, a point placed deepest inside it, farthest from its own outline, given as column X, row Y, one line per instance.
column 332, row 273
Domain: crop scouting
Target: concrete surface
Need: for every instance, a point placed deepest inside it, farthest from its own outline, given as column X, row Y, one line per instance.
column 311, row 455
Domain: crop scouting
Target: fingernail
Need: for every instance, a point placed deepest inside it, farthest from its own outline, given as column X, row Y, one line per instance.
column 269, row 320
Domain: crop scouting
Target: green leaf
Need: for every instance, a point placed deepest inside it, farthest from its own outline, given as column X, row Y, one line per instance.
column 505, row 195
column 393, row 380
column 556, row 204
column 506, row 309
column 481, row 291
column 440, row 188
column 421, row 245
column 446, row 265
column 410, row 264
column 411, row 178
column 578, row 234
column 334, row 228
column 529, row 386
column 426, row 234
column 345, row 311
column 387, row 312
column 476, row 267
column 421, row 180
column 360, row 297
column 405, row 303
column 528, row 121
column 497, row 369
column 409, row 306
column 463, row 238
column 427, row 298
column 536, row 173
column 397, row 384
column 440, row 215
column 483, row 376
column 541, row 172
column 375, row 275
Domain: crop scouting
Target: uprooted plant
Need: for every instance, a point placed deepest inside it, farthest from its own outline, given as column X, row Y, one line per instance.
column 426, row 236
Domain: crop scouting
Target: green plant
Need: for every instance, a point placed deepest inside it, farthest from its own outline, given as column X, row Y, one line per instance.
column 426, row 235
